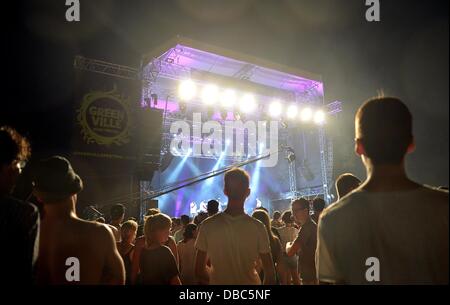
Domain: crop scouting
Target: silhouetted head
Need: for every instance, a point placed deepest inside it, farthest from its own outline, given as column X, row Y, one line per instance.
column 184, row 219
column 237, row 184
column 14, row 152
column 54, row 180
column 346, row 183
column 157, row 228
column 213, row 207
column 383, row 129
column 117, row 212
column 276, row 215
column 286, row 217
column 190, row 232
column 152, row 211
column 128, row 230
column 318, row 205
column 300, row 210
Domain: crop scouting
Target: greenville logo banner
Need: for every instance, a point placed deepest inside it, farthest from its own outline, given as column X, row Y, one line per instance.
column 104, row 118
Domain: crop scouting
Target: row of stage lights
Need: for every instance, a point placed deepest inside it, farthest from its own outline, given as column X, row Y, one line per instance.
column 211, row 95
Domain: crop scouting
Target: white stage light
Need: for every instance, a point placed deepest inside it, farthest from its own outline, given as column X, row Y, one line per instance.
column 275, row 109
column 228, row 98
column 247, row 103
column 187, row 90
column 306, row 114
column 210, row 94
column 292, row 111
column 319, row 117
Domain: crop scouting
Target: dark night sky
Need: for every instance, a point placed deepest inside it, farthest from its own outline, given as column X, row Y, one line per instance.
column 406, row 55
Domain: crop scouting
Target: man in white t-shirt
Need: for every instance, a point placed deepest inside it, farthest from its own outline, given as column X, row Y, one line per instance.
column 233, row 240
column 390, row 230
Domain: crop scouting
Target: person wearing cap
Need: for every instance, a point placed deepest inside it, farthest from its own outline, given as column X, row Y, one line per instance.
column 72, row 250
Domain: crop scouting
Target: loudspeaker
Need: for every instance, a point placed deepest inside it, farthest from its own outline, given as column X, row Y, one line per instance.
column 149, row 136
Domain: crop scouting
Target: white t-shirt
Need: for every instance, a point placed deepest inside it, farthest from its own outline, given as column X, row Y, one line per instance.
column 406, row 231
column 186, row 254
column 178, row 236
column 233, row 245
column 287, row 234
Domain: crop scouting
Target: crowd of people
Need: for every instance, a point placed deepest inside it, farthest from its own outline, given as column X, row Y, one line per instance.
column 387, row 217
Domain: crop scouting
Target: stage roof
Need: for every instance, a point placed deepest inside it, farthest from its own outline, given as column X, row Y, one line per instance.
column 197, row 56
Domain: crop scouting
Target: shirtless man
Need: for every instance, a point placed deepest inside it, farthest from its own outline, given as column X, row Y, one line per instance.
column 64, row 235
column 117, row 217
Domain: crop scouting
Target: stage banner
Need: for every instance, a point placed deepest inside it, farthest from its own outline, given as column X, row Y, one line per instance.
column 105, row 117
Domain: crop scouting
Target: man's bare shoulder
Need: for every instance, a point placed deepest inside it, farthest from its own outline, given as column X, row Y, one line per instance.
column 97, row 231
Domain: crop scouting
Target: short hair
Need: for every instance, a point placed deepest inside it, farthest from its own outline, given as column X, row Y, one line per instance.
column 152, row 211
column 213, row 206
column 189, row 231
column 176, row 221
column 100, row 219
column 318, row 204
column 286, row 217
column 117, row 211
column 185, row 219
column 346, row 183
column 384, row 127
column 276, row 215
column 202, row 215
column 237, row 182
column 14, row 147
column 303, row 202
column 129, row 225
column 262, row 208
column 155, row 223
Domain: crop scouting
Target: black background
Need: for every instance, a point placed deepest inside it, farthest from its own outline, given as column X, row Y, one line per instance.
column 406, row 55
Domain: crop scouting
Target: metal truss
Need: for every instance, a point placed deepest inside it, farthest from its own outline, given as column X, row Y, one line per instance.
column 167, row 66
column 106, row 68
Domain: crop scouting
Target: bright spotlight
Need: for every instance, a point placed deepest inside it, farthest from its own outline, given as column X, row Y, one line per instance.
column 319, row 117
column 247, row 103
column 187, row 90
column 292, row 111
column 228, row 98
column 306, row 114
column 275, row 109
column 210, row 94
